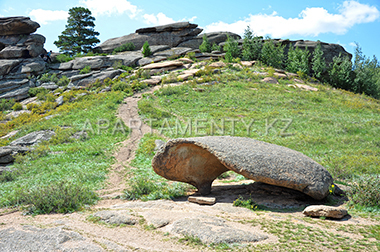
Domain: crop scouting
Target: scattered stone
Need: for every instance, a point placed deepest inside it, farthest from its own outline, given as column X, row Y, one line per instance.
column 152, row 81
column 214, row 230
column 270, row 80
column 202, row 200
column 247, row 63
column 15, row 114
column 218, row 64
column 106, row 89
column 199, row 160
column 199, row 90
column 166, row 64
column 304, row 87
column 299, row 81
column 325, row 211
column 280, row 75
column 116, row 217
column 10, row 134
column 187, row 74
column 59, row 101
column 49, row 86
column 186, row 60
column 33, row 138
column 80, row 135
column 291, row 75
column 51, row 239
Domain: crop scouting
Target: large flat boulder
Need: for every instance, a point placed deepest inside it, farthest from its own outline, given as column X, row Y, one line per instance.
column 17, row 26
column 171, row 35
column 198, row 161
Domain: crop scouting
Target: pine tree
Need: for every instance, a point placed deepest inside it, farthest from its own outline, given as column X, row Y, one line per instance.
column 318, row 62
column 79, row 35
column 146, row 49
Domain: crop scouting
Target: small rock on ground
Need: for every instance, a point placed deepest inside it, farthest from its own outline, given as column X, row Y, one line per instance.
column 325, row 211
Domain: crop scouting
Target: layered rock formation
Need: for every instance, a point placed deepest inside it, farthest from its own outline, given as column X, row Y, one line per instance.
column 19, row 56
column 171, row 35
column 200, row 160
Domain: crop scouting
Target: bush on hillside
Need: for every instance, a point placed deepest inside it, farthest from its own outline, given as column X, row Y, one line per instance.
column 272, row 55
column 58, row 197
column 6, row 104
column 365, row 191
column 298, row 60
column 231, row 47
column 126, row 47
column 318, row 64
column 146, row 49
column 205, row 47
column 252, row 45
column 341, row 74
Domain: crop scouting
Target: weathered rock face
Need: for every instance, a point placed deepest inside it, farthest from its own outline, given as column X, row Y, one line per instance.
column 21, row 46
column 213, row 38
column 19, row 56
column 171, row 35
column 198, row 161
column 329, row 50
column 17, row 26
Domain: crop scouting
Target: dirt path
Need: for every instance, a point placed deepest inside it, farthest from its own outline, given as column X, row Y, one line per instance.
column 158, row 222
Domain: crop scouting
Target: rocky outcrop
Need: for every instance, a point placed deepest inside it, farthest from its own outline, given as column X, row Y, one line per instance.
column 198, row 161
column 329, row 50
column 19, row 56
column 17, row 26
column 213, row 38
column 171, row 35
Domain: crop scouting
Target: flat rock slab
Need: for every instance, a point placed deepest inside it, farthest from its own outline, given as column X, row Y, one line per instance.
column 202, row 200
column 51, row 239
column 214, row 230
column 116, row 217
column 200, row 160
column 165, row 64
column 33, row 138
column 325, row 211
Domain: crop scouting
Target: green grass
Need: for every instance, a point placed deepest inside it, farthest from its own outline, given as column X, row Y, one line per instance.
column 145, row 184
column 82, row 164
column 336, row 128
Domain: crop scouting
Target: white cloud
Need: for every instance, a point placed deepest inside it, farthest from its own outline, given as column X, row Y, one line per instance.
column 109, row 7
column 162, row 19
column 310, row 22
column 45, row 16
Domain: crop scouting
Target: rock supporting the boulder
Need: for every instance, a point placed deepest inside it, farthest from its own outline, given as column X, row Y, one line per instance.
column 198, row 161
column 325, row 211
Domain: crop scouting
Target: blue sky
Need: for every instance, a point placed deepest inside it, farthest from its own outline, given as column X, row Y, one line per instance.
column 334, row 21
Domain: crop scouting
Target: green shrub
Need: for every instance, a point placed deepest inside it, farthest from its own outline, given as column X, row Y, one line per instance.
column 6, row 104
column 63, row 81
column 365, row 191
column 35, row 91
column 126, row 47
column 318, row 64
column 122, row 86
column 249, row 203
column 231, row 47
column 46, row 77
column 341, row 74
column 85, row 70
column 143, row 74
column 251, row 45
column 58, row 197
column 205, row 47
column 17, row 106
column 272, row 55
column 63, row 58
column 366, row 74
column 146, row 49
column 216, row 47
column 298, row 60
